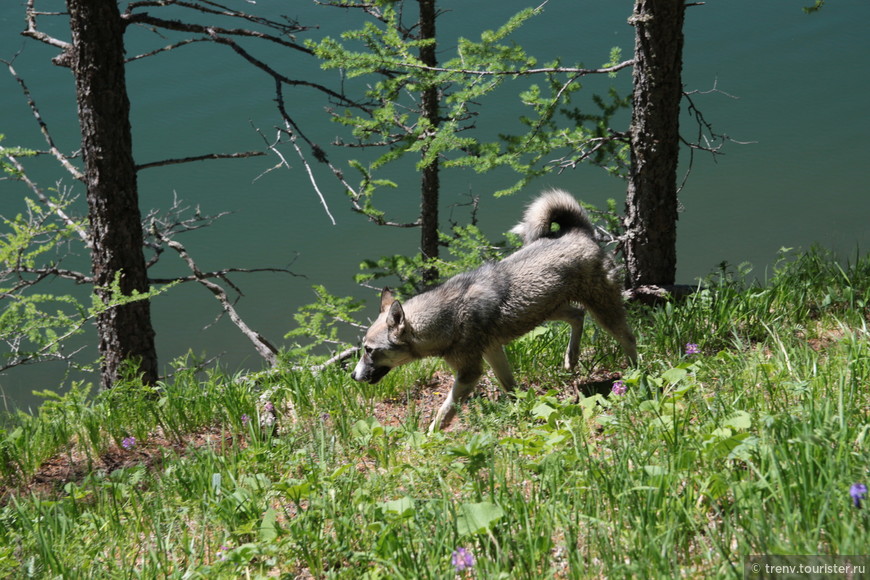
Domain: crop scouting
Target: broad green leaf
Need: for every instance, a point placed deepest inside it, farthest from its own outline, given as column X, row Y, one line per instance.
column 674, row 375
column 543, row 411
column 476, row 518
column 268, row 527
column 403, row 507
column 741, row 421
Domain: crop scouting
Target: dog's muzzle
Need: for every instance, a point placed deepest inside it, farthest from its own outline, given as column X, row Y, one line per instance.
column 368, row 374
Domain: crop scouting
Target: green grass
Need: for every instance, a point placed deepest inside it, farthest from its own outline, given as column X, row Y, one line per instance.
column 748, row 447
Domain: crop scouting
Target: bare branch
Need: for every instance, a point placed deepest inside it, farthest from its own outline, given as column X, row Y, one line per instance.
column 206, row 157
column 18, row 358
column 171, row 221
column 342, row 356
column 220, row 274
column 287, row 28
column 32, row 31
column 275, row 74
column 222, row 35
column 283, row 163
column 706, row 139
column 586, row 150
column 263, row 347
column 166, row 48
column 63, row 159
column 320, row 155
column 57, row 209
column 292, row 135
column 48, row 271
column 178, row 26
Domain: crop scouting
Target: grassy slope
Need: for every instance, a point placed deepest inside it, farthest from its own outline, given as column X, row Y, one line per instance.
column 748, row 447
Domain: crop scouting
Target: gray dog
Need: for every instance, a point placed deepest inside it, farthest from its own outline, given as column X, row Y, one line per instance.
column 471, row 316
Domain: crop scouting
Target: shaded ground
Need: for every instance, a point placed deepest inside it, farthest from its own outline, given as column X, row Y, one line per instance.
column 74, row 465
column 419, row 403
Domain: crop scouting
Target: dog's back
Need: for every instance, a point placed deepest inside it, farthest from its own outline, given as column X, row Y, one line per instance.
column 559, row 263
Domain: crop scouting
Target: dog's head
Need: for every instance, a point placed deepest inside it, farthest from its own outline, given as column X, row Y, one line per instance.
column 386, row 345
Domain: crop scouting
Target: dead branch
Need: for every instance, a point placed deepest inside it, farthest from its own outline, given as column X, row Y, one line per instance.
column 706, row 138
column 43, row 128
column 340, row 357
column 275, row 74
column 263, row 347
column 206, row 157
column 218, row 274
column 33, row 32
column 145, row 18
column 586, row 150
column 40, row 195
column 166, row 49
column 291, row 130
column 18, row 358
column 45, row 272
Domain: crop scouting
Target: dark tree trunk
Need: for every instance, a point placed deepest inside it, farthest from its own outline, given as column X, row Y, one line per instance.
column 429, row 184
column 125, row 332
column 651, row 204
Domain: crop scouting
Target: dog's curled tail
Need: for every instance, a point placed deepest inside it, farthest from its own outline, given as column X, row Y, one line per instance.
column 552, row 207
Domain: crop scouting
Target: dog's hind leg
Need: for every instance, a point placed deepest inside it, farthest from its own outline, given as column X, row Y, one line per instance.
column 463, row 383
column 573, row 316
column 497, row 359
column 607, row 309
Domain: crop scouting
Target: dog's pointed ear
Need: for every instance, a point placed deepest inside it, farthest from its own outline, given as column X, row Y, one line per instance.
column 387, row 299
column 396, row 319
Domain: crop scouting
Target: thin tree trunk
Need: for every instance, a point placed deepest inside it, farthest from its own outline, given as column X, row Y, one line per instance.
column 429, row 184
column 125, row 332
column 651, row 203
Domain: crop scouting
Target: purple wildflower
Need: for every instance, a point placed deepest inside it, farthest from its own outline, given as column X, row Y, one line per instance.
column 692, row 348
column 462, row 559
column 128, row 442
column 245, row 419
column 857, row 491
column 619, row 388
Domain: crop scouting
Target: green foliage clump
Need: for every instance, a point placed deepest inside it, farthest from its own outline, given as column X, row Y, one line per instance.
column 385, row 51
column 320, row 322
column 34, row 325
column 467, row 246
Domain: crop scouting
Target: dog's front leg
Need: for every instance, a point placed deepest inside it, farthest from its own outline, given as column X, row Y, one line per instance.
column 463, row 383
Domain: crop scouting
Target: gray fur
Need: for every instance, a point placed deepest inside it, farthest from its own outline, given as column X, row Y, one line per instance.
column 469, row 318
column 553, row 206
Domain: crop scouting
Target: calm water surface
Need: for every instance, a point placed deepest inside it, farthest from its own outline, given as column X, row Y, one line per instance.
column 792, row 87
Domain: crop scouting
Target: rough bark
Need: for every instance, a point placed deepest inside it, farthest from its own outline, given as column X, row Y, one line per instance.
column 125, row 332
column 429, row 178
column 651, row 203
